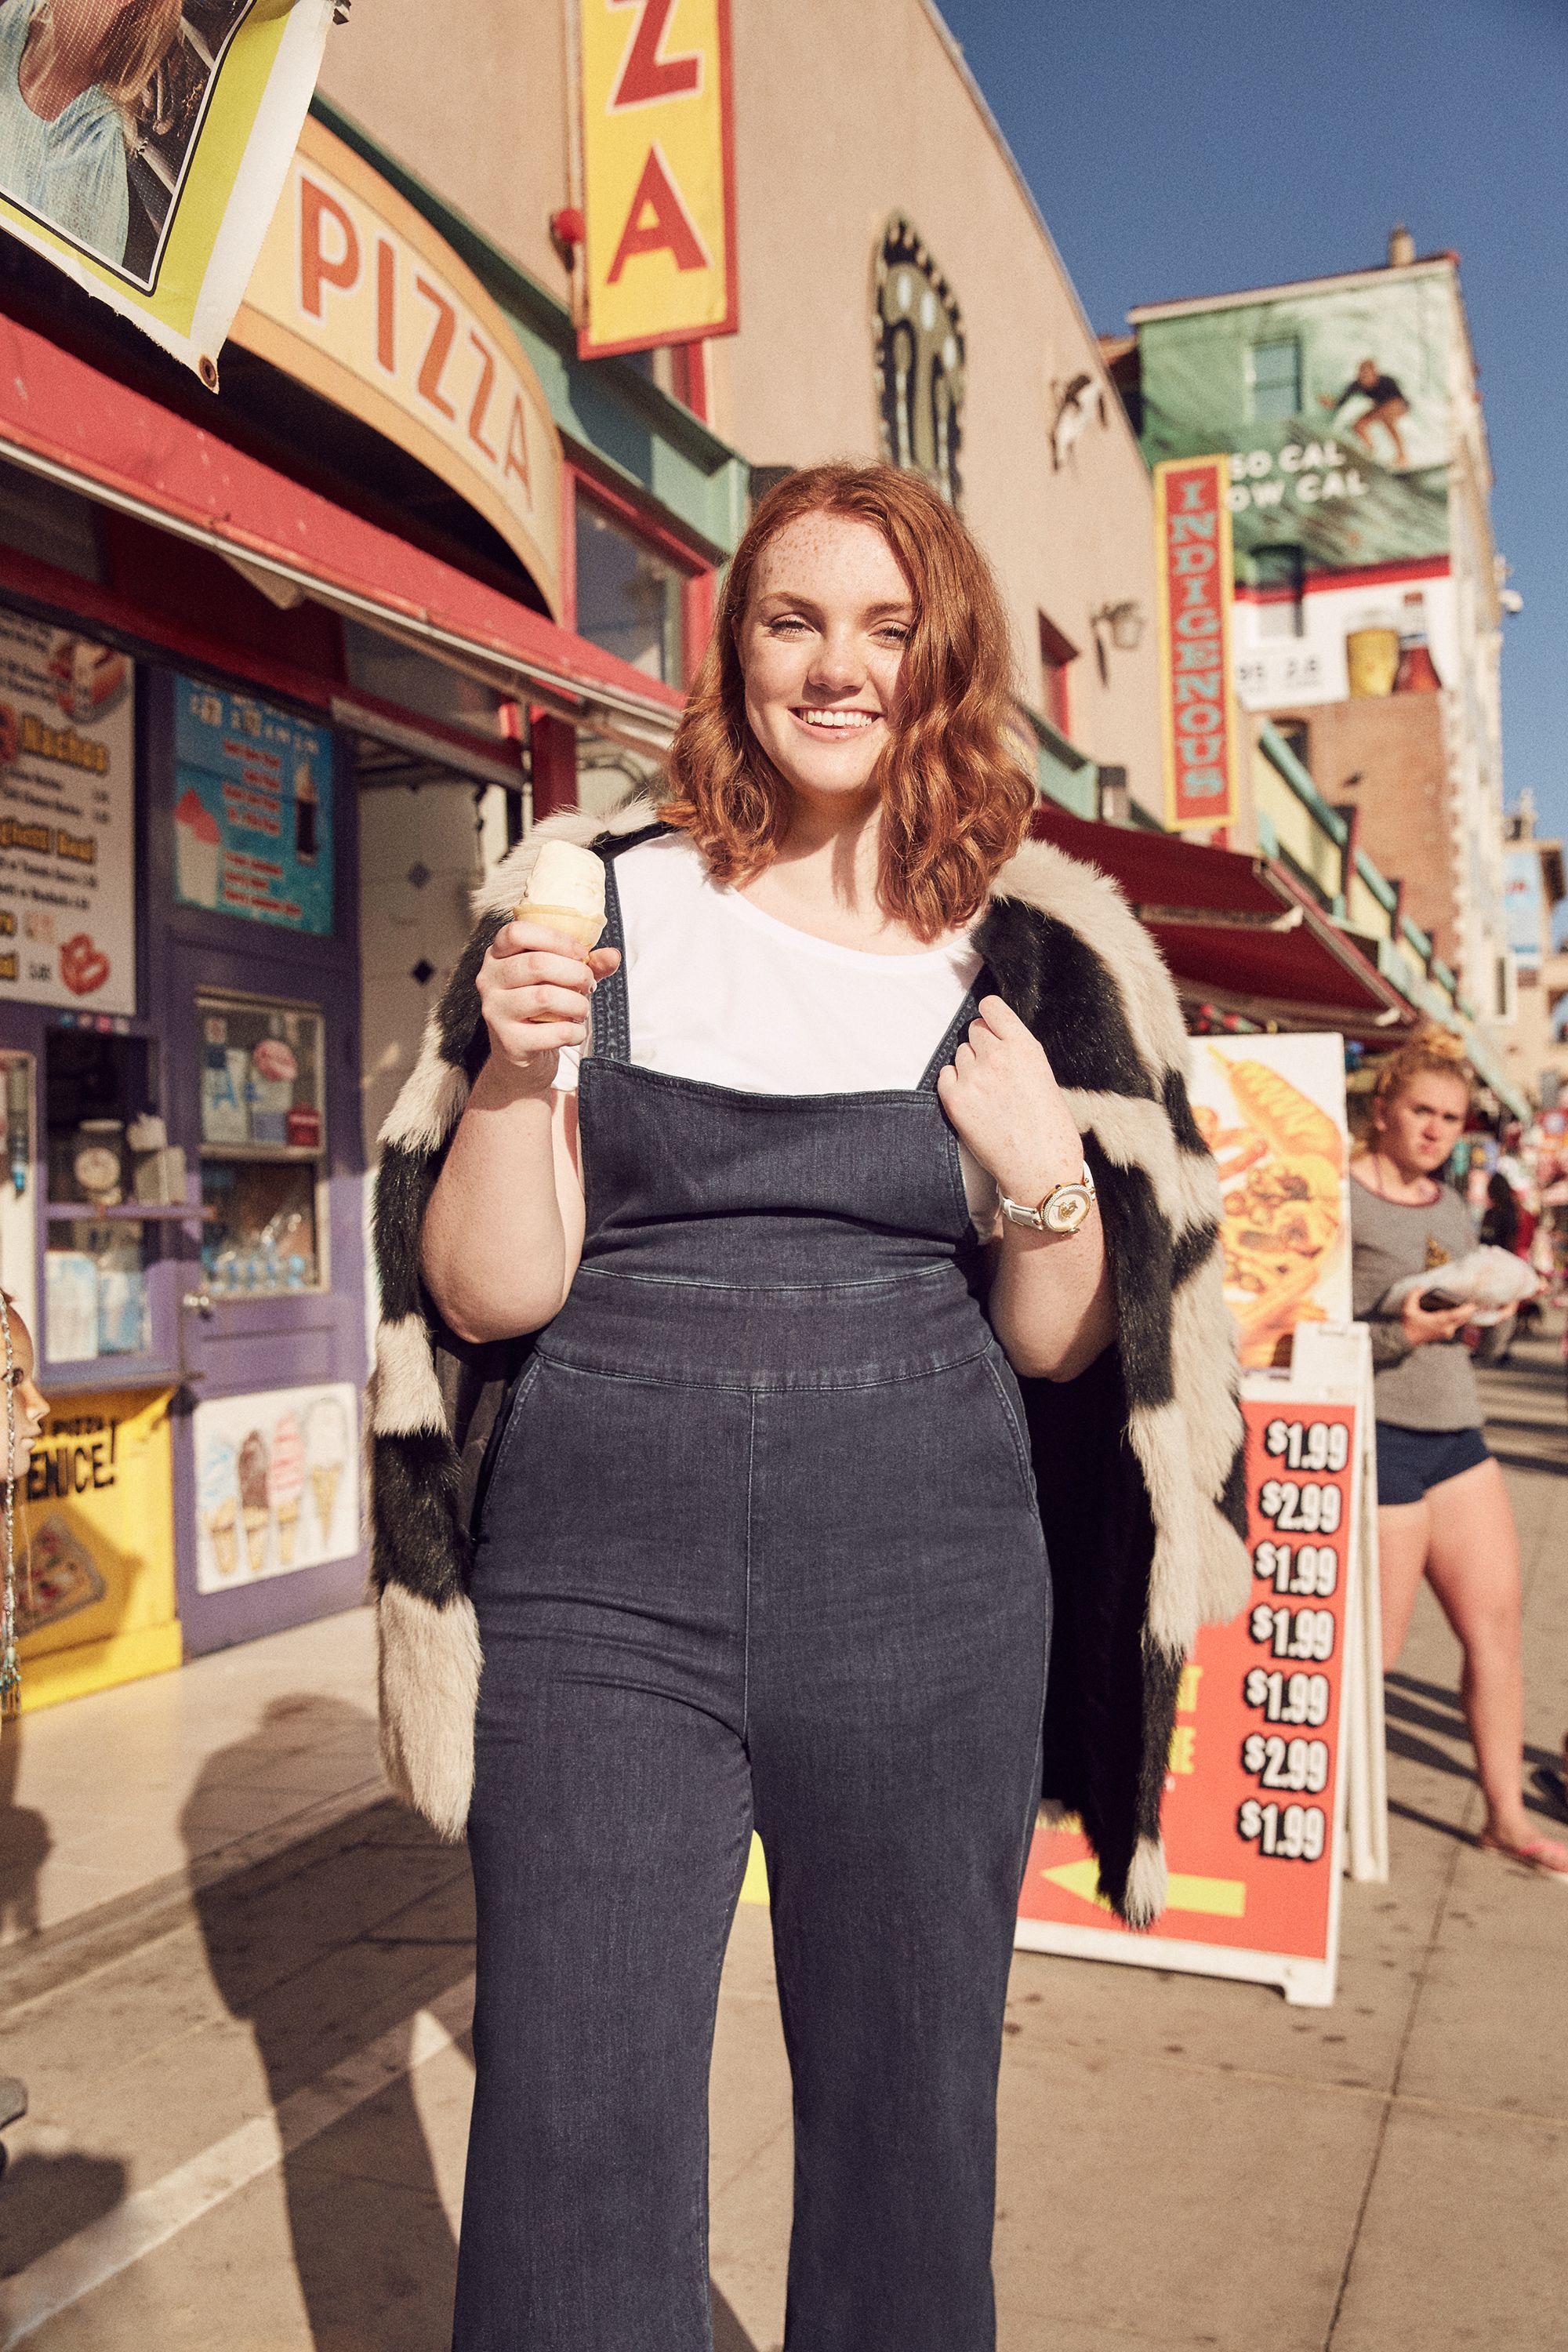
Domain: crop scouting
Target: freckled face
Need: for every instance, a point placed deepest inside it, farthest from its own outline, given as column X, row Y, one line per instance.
column 822, row 644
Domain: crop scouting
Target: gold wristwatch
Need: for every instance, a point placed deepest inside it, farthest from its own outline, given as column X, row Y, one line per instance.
column 1063, row 1211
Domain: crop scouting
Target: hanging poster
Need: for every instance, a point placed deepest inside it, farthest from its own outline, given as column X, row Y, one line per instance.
column 68, row 856
column 253, row 809
column 143, row 147
column 658, row 174
column 1272, row 1111
column 277, row 1484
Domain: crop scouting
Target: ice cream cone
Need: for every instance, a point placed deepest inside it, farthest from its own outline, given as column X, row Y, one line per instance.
column 324, row 1479
column 570, row 921
column 566, row 892
column 221, row 1529
column 288, row 1522
column 256, row 1519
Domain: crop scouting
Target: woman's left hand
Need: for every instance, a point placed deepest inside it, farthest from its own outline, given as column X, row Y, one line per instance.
column 1003, row 1098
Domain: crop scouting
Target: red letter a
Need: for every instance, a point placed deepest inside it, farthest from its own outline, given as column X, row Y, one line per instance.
column 667, row 227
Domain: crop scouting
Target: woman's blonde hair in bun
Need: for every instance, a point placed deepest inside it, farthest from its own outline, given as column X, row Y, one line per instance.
column 1431, row 1053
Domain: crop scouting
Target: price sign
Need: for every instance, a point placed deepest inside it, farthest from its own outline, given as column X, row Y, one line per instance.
column 1252, row 1788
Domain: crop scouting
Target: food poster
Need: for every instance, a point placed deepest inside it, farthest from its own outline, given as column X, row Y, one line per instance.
column 253, row 809
column 1253, row 1782
column 277, row 1488
column 95, row 1529
column 1272, row 1111
column 68, row 851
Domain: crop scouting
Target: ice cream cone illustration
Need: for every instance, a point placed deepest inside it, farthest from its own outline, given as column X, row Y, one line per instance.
column 220, row 1523
column 256, row 1512
column 217, row 1504
column 286, row 1482
column 326, row 1450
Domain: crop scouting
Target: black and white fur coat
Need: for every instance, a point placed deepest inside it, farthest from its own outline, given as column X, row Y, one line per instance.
column 1139, row 1461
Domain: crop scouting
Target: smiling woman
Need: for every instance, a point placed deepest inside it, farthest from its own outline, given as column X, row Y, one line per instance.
column 779, row 1263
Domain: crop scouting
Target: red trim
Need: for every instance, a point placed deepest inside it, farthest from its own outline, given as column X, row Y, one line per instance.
column 553, row 763
column 1350, row 576
column 731, row 322
column 123, row 617
column 691, row 383
column 118, row 441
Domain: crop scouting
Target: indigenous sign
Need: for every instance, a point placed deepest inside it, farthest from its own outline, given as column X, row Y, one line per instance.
column 253, row 809
column 356, row 295
column 1192, row 523
column 67, row 858
column 142, row 148
column 658, row 174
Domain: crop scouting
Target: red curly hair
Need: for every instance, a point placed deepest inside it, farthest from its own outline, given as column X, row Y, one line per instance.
column 956, row 800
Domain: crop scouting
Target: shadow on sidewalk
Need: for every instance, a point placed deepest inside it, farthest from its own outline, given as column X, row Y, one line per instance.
column 320, row 1950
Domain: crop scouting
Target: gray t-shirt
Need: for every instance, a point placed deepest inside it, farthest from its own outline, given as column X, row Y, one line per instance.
column 1432, row 1386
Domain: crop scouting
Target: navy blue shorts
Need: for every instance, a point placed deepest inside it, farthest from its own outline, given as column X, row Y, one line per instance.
column 1410, row 1461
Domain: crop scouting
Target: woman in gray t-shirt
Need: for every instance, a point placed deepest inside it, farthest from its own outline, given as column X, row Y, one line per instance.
column 1443, row 1509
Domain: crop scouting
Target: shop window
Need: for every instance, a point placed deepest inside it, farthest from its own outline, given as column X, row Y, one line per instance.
column 1279, row 577
column 263, row 1147
column 1058, row 653
column 1274, row 379
column 630, row 601
column 104, row 1156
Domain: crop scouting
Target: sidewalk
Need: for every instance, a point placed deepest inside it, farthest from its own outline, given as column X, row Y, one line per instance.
column 241, row 2021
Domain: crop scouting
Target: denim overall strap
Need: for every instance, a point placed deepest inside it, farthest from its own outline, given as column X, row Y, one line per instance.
column 611, row 1025
column 967, row 1012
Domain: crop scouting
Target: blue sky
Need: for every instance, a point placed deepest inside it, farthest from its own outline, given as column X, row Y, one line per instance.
column 1189, row 146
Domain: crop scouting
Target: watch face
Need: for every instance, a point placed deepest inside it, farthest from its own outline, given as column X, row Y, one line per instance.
column 1067, row 1208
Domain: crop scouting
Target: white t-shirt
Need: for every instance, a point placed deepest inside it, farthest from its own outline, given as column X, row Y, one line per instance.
column 723, row 993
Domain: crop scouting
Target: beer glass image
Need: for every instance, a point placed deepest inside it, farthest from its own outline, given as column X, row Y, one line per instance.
column 1371, row 655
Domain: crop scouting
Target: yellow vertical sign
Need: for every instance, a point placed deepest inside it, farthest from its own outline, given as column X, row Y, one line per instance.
column 658, row 175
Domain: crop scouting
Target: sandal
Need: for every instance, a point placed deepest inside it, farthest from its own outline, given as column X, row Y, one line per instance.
column 1542, row 1854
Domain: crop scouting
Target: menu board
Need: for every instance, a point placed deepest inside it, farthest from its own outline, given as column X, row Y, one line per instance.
column 1253, row 1788
column 253, row 809
column 68, row 859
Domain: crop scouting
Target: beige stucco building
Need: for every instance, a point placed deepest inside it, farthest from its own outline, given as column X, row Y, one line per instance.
column 834, row 139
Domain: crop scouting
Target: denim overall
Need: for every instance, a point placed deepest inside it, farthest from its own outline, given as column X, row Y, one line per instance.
column 758, row 1548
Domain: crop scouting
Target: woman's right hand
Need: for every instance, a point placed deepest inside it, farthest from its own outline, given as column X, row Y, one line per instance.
column 1441, row 1324
column 535, row 987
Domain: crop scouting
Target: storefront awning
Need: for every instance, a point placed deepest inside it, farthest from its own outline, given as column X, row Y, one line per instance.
column 1236, row 930
column 68, row 422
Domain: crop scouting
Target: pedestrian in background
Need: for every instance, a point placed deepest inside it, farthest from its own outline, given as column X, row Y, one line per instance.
column 1443, row 1508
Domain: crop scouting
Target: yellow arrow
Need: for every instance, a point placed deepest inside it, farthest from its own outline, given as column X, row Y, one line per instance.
column 1220, row 1899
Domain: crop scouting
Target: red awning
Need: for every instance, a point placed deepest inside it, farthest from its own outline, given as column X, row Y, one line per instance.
column 1236, row 931
column 61, row 418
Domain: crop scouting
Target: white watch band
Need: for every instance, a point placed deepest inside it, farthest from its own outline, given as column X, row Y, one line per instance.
column 1064, row 1210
